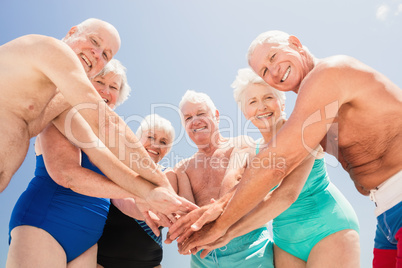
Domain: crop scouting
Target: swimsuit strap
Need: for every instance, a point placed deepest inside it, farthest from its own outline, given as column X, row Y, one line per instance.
column 257, row 148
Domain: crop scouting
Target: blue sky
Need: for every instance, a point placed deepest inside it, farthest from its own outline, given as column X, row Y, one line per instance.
column 171, row 46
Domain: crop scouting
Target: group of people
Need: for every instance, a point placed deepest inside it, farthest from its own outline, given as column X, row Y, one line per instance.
column 90, row 205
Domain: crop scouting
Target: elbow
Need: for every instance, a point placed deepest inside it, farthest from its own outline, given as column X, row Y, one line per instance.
column 62, row 177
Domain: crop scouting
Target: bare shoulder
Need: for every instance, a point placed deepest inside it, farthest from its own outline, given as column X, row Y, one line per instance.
column 184, row 165
column 242, row 142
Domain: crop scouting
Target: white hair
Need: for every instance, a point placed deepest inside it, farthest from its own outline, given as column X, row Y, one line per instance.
column 156, row 122
column 115, row 66
column 197, row 97
column 272, row 37
column 246, row 77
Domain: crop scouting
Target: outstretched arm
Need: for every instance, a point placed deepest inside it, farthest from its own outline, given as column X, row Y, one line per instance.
column 58, row 62
column 161, row 199
column 276, row 202
column 315, row 110
column 63, row 162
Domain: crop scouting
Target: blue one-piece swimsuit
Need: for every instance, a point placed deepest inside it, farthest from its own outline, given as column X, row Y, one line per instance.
column 76, row 221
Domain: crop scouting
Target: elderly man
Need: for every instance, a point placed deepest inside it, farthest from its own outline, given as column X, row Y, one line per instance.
column 217, row 158
column 353, row 111
column 41, row 78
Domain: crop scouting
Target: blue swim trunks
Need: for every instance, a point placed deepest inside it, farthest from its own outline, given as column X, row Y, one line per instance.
column 76, row 221
column 252, row 250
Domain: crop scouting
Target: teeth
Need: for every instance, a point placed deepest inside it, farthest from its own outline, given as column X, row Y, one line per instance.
column 264, row 116
column 106, row 100
column 199, row 129
column 152, row 151
column 86, row 60
column 286, row 74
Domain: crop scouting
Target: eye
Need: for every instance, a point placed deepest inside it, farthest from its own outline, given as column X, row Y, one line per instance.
column 264, row 72
column 105, row 56
column 253, row 101
column 268, row 97
column 151, row 137
column 115, row 88
column 93, row 40
column 188, row 118
column 163, row 142
column 100, row 82
column 273, row 56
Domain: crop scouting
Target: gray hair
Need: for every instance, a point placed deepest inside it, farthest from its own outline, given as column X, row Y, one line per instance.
column 87, row 24
column 197, row 97
column 115, row 66
column 272, row 37
column 246, row 77
column 156, row 122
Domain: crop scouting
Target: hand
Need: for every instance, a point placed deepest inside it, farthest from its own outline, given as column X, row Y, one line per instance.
column 220, row 242
column 194, row 221
column 167, row 202
column 209, row 234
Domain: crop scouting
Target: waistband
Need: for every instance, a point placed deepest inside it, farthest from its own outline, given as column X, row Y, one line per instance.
column 387, row 194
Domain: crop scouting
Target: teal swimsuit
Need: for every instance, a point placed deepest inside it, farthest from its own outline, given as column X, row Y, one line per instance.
column 319, row 211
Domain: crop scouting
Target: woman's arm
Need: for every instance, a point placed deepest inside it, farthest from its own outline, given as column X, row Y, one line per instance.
column 63, row 162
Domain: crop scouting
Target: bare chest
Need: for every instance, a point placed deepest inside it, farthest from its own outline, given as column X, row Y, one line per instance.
column 207, row 175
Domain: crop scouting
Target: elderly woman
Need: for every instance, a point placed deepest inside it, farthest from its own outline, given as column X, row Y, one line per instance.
column 127, row 241
column 59, row 218
column 313, row 223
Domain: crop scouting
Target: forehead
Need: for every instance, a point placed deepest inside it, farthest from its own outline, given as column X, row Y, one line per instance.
column 111, row 78
column 191, row 108
column 109, row 36
column 256, row 90
column 261, row 52
column 158, row 132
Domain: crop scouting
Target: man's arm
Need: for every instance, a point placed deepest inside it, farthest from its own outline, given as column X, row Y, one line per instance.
column 276, row 202
column 161, row 199
column 315, row 110
column 58, row 62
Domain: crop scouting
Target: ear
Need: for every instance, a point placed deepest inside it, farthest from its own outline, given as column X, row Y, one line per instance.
column 294, row 42
column 72, row 31
column 217, row 115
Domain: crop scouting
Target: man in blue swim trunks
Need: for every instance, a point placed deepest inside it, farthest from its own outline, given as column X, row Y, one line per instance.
column 205, row 172
column 353, row 111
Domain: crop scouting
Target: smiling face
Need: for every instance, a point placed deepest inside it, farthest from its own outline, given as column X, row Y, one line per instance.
column 281, row 66
column 156, row 142
column 261, row 106
column 108, row 87
column 200, row 123
column 95, row 46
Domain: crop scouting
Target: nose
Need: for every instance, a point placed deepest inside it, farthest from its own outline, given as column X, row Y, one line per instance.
column 262, row 106
column 105, row 89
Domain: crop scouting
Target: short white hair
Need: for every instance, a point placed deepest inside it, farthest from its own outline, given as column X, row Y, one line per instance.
column 272, row 37
column 246, row 77
column 115, row 66
column 87, row 24
column 197, row 97
column 157, row 122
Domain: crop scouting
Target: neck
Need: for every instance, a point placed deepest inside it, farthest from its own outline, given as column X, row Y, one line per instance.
column 268, row 134
column 212, row 145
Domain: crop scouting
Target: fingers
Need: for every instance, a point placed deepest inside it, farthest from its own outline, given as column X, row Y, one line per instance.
column 206, row 217
column 185, row 235
column 151, row 224
column 204, row 253
column 179, row 227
